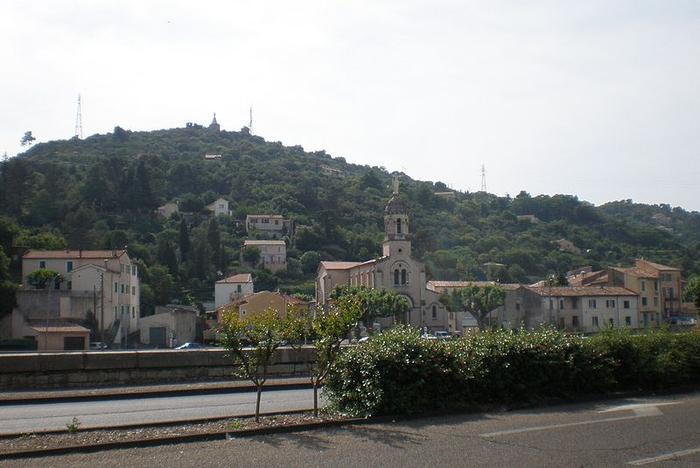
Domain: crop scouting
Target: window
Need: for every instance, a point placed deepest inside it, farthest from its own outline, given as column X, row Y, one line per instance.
column 574, row 321
column 70, row 285
column 238, row 288
column 644, row 301
column 69, row 266
column 656, row 301
column 517, row 306
column 592, row 303
column 276, row 222
column 612, row 303
column 594, row 320
column 133, row 312
column 122, row 288
column 628, row 321
column 398, row 226
column 404, row 279
column 396, row 276
column 133, row 290
column 626, row 304
column 42, row 264
column 561, row 303
column 611, row 322
column 434, row 310
column 116, row 287
column 643, row 285
column 133, row 270
column 656, row 286
column 574, row 302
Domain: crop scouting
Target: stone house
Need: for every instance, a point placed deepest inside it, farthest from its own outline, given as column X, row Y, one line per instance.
column 273, row 253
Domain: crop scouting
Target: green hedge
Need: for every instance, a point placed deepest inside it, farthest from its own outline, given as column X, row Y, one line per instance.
column 401, row 373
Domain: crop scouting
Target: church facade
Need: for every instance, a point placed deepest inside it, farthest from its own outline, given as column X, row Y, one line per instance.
column 395, row 270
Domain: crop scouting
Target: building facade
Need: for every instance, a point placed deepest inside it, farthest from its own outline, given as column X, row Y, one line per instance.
column 219, row 207
column 273, row 253
column 270, row 226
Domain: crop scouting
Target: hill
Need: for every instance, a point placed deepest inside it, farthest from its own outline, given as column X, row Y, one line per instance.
column 102, row 192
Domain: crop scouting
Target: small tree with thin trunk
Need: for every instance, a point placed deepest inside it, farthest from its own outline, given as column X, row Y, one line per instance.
column 330, row 326
column 251, row 343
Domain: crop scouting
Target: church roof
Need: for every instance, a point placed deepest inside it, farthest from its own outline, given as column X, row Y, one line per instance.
column 339, row 265
column 396, row 205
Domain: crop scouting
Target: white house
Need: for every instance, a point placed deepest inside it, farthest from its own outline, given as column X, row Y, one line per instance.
column 273, row 253
column 219, row 207
column 230, row 289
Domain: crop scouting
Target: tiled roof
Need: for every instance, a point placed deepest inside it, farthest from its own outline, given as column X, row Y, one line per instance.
column 264, row 242
column 60, row 254
column 463, row 284
column 239, row 278
column 63, row 329
column 339, row 265
column 657, row 266
column 577, row 291
column 639, row 272
column 265, row 216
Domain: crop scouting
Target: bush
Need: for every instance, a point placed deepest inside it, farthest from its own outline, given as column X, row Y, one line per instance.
column 400, row 373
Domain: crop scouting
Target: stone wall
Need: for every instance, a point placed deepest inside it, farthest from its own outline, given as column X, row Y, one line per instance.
column 34, row 371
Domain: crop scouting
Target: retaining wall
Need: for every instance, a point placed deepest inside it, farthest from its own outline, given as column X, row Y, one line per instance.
column 34, row 371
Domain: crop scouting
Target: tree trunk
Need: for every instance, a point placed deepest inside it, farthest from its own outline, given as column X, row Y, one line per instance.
column 257, row 404
column 315, row 398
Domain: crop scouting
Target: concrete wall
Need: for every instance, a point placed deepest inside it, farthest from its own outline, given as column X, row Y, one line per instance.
column 107, row 368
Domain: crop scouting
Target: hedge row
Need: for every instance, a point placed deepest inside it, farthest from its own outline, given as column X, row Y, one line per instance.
column 401, row 373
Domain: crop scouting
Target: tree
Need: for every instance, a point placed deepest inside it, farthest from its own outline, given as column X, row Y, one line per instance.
column 480, row 301
column 251, row 255
column 43, row 277
column 184, row 240
column 309, row 262
column 8, row 299
column 327, row 329
column 252, row 342
column 214, row 239
column 27, row 139
column 161, row 283
column 691, row 292
column 373, row 302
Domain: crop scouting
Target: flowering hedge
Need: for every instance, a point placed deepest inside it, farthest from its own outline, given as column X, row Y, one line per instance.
column 401, row 373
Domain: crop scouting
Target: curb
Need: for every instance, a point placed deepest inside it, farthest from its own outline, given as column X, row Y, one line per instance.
column 152, row 393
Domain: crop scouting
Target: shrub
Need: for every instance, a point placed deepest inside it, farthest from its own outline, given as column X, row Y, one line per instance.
column 400, row 373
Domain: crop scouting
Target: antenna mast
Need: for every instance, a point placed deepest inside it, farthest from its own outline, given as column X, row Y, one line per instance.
column 483, row 178
column 250, row 122
column 79, row 121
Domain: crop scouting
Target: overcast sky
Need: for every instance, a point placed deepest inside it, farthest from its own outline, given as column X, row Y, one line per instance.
column 600, row 99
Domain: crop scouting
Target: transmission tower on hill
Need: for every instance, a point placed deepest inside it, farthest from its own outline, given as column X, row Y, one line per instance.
column 483, row 178
column 79, row 121
column 250, row 122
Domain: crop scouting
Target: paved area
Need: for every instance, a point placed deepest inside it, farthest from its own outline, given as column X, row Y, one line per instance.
column 656, row 432
column 10, row 397
column 51, row 416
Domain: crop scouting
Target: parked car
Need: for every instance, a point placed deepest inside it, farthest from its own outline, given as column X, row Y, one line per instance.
column 427, row 336
column 97, row 346
column 190, row 345
column 683, row 321
column 442, row 335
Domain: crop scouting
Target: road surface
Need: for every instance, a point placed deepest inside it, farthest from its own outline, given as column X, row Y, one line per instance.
column 27, row 418
column 654, row 432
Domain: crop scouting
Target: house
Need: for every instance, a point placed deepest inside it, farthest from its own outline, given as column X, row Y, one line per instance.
column 102, row 284
column 219, row 207
column 396, row 270
column 518, row 310
column 273, row 253
column 168, row 209
column 263, row 300
column 230, row 289
column 170, row 326
column 212, row 157
column 529, row 218
column 659, row 288
column 446, row 195
column 271, row 226
column 588, row 308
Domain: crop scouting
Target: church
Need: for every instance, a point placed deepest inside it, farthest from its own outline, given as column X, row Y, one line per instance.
column 396, row 270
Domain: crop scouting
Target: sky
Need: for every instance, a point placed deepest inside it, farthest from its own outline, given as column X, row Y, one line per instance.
column 599, row 99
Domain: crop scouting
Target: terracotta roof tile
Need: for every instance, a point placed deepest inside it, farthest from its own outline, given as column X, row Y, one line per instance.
column 60, row 254
column 571, row 291
column 239, row 278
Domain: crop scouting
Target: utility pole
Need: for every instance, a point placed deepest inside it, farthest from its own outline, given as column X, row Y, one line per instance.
column 102, row 306
column 79, row 121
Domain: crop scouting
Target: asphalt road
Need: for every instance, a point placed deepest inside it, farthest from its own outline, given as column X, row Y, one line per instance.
column 656, row 432
column 47, row 416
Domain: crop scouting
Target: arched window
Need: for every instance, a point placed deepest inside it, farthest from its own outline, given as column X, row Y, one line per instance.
column 396, row 276
column 403, row 277
column 398, row 226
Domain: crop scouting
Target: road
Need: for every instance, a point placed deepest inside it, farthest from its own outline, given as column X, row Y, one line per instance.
column 655, row 432
column 47, row 416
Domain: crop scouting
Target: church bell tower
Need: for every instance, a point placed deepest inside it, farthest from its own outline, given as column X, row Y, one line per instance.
column 396, row 229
